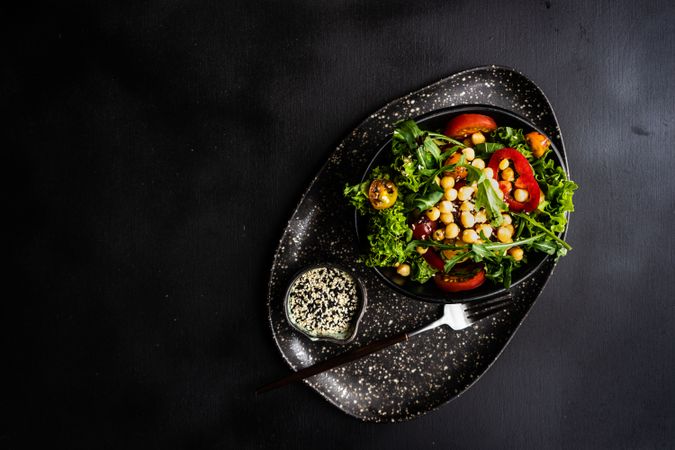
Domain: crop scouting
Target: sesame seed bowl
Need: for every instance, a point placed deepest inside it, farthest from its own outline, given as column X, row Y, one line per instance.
column 325, row 302
column 419, row 375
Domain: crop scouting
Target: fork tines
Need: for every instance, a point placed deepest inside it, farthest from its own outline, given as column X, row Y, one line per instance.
column 480, row 310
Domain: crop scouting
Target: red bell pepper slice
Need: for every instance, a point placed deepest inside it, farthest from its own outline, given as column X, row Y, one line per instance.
column 461, row 281
column 525, row 178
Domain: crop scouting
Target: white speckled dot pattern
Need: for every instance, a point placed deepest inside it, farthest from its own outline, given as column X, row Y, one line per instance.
column 419, row 375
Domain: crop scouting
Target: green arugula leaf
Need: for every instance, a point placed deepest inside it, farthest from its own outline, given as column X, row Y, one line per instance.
column 532, row 222
column 428, row 201
column 486, row 196
column 452, row 262
column 487, row 148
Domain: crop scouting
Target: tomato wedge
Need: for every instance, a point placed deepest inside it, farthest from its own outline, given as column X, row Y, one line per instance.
column 525, row 180
column 461, row 281
column 382, row 194
column 467, row 124
column 538, row 143
column 458, row 173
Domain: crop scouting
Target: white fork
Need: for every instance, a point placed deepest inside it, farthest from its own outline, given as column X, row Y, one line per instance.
column 462, row 315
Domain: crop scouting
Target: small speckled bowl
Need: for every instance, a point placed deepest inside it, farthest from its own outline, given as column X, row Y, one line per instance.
column 356, row 319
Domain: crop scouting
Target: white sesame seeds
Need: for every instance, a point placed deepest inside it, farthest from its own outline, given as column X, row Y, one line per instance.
column 324, row 302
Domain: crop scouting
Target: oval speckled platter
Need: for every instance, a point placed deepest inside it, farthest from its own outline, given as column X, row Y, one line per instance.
column 419, row 375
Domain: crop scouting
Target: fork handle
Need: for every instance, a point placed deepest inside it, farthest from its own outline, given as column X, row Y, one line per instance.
column 336, row 361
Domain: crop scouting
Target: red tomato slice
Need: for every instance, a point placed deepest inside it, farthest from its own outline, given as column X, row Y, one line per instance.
column 467, row 124
column 459, row 282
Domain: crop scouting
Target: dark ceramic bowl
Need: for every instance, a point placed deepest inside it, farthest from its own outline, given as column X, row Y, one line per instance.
column 429, row 292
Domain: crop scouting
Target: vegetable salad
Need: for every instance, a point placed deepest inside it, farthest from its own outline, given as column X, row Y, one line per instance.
column 463, row 206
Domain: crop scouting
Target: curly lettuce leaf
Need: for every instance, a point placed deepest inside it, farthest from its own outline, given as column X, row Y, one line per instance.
column 420, row 271
column 388, row 236
column 513, row 138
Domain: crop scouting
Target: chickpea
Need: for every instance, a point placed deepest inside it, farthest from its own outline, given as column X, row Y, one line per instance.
column 508, row 174
column 521, row 195
column 510, row 228
column 421, row 250
column 504, row 234
column 447, row 182
column 503, row 164
column 485, row 228
column 465, row 193
column 439, row 234
column 433, row 213
column 516, row 253
column 467, row 206
column 451, row 231
column 450, row 194
column 477, row 138
column 481, row 217
column 469, row 236
column 489, row 174
column 467, row 219
column 469, row 153
column 447, row 218
column 506, row 219
column 445, row 207
column 478, row 163
column 403, row 270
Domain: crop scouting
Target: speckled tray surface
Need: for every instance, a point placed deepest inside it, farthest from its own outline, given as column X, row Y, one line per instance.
column 419, row 375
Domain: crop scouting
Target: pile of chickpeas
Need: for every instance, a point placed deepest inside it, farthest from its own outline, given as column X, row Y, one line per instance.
column 456, row 211
column 463, row 224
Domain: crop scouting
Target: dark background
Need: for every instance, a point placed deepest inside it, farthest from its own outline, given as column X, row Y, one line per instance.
column 162, row 145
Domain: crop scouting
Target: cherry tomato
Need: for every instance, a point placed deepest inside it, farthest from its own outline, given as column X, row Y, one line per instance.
column 462, row 281
column 467, row 124
column 423, row 227
column 538, row 143
column 382, row 194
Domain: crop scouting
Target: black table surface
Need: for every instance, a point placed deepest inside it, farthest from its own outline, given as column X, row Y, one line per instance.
column 162, row 146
